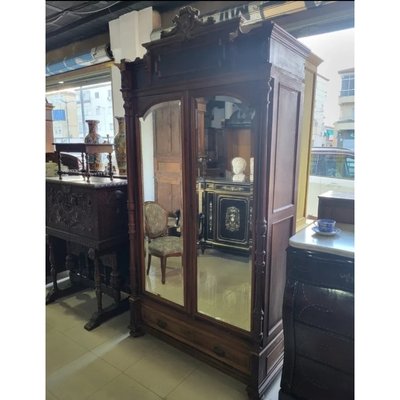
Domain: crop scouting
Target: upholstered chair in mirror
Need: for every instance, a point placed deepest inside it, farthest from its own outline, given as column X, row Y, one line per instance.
column 160, row 244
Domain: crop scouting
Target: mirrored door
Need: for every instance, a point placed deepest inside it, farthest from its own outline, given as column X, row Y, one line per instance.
column 225, row 200
column 161, row 140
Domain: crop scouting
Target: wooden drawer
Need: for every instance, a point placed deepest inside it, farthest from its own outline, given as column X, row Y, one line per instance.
column 315, row 381
column 325, row 347
column 320, row 269
column 226, row 349
column 325, row 308
column 167, row 324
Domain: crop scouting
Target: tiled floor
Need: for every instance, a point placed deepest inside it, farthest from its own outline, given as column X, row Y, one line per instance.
column 108, row 364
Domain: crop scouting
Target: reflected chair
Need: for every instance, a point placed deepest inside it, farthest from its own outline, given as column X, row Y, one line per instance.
column 160, row 244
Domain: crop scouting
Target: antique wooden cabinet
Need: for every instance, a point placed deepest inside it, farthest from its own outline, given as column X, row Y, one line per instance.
column 203, row 94
column 336, row 205
column 227, row 208
column 318, row 316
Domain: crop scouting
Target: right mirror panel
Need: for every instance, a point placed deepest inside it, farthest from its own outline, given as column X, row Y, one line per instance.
column 225, row 198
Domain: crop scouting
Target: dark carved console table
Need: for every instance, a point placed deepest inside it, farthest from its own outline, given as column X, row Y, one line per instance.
column 91, row 217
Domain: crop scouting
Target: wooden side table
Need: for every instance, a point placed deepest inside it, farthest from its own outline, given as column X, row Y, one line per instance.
column 90, row 217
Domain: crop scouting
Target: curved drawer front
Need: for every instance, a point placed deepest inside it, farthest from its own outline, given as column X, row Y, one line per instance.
column 325, row 347
column 315, row 381
column 325, row 308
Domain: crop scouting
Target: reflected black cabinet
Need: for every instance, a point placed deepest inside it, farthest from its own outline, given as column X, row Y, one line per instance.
column 204, row 94
column 227, row 211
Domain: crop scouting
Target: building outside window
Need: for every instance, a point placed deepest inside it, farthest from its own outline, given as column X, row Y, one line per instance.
column 347, row 85
column 72, row 107
column 332, row 152
column 345, row 124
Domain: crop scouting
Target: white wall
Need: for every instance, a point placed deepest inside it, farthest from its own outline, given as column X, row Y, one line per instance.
column 127, row 33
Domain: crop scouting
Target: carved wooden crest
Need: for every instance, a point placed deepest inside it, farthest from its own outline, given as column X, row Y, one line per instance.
column 187, row 22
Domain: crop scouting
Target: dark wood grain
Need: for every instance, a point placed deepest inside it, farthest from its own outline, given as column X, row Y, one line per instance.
column 265, row 69
column 91, row 220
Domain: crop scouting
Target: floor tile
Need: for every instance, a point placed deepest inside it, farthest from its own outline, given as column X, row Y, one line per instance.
column 113, row 328
column 106, row 363
column 163, row 369
column 124, row 351
column 50, row 396
column 207, row 383
column 60, row 350
column 123, row 388
column 62, row 317
column 81, row 378
column 74, row 310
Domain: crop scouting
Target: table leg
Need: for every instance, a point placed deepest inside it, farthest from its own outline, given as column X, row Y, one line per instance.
column 120, row 306
column 115, row 278
column 53, row 293
column 96, row 317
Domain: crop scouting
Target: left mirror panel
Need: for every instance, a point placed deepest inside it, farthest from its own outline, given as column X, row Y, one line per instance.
column 161, row 140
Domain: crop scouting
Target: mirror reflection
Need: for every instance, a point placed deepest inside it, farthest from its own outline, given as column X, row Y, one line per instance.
column 225, row 193
column 162, row 197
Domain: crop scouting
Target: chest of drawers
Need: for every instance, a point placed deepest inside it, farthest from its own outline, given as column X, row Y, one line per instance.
column 318, row 320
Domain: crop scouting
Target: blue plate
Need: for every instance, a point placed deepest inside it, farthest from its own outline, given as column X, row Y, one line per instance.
column 334, row 232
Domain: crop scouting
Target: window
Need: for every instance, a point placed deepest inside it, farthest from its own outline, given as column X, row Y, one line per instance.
column 58, row 115
column 332, row 157
column 347, row 85
column 72, row 107
column 86, row 96
column 350, row 167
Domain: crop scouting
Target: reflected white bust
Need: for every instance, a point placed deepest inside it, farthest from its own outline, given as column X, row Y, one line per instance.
column 238, row 167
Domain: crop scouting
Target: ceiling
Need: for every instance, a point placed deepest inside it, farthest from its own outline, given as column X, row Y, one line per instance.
column 68, row 22
column 72, row 21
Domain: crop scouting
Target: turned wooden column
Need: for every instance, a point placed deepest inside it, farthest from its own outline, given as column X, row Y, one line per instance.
column 49, row 128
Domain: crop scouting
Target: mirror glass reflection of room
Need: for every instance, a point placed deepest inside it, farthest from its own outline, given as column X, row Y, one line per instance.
column 225, row 192
column 161, row 140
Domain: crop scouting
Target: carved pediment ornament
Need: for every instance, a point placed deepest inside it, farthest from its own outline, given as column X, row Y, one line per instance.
column 187, row 22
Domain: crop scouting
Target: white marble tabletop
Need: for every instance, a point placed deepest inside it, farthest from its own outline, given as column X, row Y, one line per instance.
column 95, row 181
column 341, row 244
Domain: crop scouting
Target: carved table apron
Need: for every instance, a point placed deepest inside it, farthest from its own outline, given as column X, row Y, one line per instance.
column 90, row 216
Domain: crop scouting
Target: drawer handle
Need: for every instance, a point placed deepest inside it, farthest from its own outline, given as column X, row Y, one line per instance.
column 218, row 351
column 161, row 324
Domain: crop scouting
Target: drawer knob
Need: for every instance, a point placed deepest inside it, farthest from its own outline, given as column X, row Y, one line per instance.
column 162, row 324
column 218, row 351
